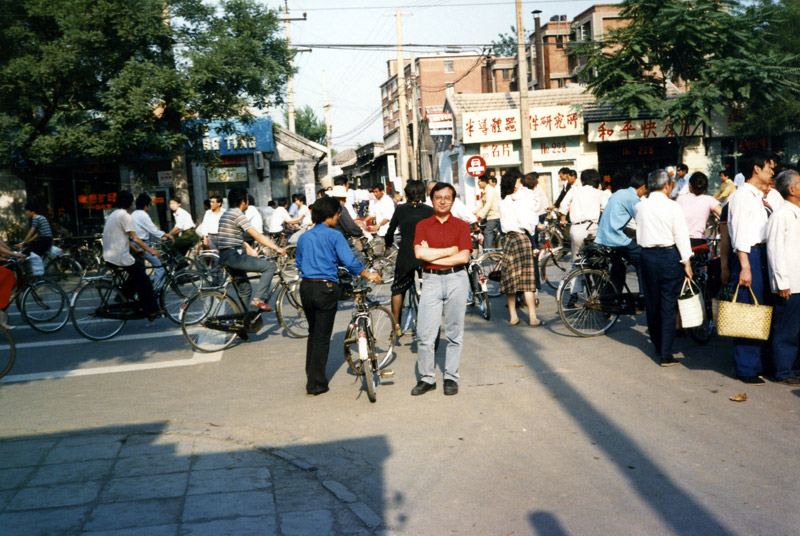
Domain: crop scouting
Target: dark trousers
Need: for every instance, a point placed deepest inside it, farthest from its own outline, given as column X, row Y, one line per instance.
column 41, row 245
column 747, row 352
column 239, row 264
column 631, row 253
column 662, row 276
column 139, row 282
column 785, row 334
column 320, row 300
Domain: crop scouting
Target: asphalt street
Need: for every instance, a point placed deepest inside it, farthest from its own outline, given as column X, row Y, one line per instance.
column 550, row 434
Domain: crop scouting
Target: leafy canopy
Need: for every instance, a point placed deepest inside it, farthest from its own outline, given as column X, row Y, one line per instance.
column 307, row 124
column 506, row 44
column 718, row 50
column 116, row 79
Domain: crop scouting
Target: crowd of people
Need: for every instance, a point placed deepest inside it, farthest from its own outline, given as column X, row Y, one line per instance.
column 652, row 221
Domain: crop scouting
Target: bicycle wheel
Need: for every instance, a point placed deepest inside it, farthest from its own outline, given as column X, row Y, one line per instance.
column 479, row 297
column 8, row 351
column 180, row 288
column 581, row 299
column 382, row 294
column 289, row 310
column 491, row 265
column 408, row 313
column 287, row 264
column 371, row 377
column 90, row 300
column 65, row 271
column 382, row 324
column 702, row 333
column 554, row 266
column 45, row 307
column 209, row 321
column 351, row 349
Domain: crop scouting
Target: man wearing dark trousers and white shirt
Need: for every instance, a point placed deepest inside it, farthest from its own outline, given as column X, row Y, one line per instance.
column 662, row 233
column 783, row 252
column 443, row 244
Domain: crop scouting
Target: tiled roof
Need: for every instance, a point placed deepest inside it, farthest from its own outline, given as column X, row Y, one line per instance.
column 478, row 102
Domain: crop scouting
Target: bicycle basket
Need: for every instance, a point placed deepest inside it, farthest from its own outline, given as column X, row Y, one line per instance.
column 595, row 256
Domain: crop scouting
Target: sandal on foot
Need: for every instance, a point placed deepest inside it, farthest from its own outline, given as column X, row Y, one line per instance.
column 540, row 324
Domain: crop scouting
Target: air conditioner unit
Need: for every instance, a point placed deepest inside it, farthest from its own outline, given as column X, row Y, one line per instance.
column 259, row 158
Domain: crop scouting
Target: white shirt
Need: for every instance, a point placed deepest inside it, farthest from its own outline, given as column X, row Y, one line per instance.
column 383, row 210
column 266, row 213
column 276, row 221
column 304, row 213
column 210, row 223
column 681, row 187
column 183, row 220
column 783, row 248
column 583, row 203
column 775, row 199
column 254, row 216
column 542, row 198
column 747, row 218
column 516, row 214
column 144, row 227
column 116, row 242
column 459, row 210
column 660, row 223
column 738, row 180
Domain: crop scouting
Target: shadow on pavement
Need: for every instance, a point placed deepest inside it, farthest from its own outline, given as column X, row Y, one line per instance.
column 157, row 480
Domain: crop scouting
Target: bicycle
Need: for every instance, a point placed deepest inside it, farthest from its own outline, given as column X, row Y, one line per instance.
column 589, row 302
column 478, row 296
column 410, row 308
column 371, row 332
column 384, row 265
column 213, row 318
column 40, row 301
column 8, row 351
column 99, row 309
column 63, row 269
column 703, row 278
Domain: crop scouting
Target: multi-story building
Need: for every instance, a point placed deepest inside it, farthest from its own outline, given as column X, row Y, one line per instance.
column 592, row 25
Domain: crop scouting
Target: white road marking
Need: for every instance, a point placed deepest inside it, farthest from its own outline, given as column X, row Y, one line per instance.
column 197, row 359
column 81, row 340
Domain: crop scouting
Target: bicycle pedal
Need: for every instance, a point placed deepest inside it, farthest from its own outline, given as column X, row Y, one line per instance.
column 386, row 373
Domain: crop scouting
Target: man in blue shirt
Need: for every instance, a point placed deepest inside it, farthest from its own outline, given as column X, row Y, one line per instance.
column 320, row 251
column 619, row 211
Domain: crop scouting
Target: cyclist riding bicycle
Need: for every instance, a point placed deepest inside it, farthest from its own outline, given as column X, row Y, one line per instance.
column 117, row 236
column 238, row 256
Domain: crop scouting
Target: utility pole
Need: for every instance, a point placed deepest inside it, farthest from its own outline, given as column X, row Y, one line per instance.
column 289, row 81
column 415, row 163
column 524, row 106
column 327, row 125
column 401, row 101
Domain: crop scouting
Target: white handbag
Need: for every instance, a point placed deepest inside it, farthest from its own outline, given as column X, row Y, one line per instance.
column 690, row 305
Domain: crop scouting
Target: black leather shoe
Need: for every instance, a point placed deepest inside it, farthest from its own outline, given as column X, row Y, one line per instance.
column 668, row 361
column 752, row 380
column 317, row 392
column 450, row 387
column 422, row 387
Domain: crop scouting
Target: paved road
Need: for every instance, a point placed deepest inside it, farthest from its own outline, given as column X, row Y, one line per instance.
column 549, row 435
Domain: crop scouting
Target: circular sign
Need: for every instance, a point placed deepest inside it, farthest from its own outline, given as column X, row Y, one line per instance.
column 476, row 166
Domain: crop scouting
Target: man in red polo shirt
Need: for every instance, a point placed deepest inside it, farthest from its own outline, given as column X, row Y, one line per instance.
column 443, row 244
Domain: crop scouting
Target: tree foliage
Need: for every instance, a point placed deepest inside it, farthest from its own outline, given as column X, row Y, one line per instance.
column 717, row 49
column 308, row 125
column 117, row 80
column 506, row 44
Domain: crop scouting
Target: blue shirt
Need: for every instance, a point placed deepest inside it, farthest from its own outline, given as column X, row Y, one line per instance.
column 619, row 210
column 321, row 250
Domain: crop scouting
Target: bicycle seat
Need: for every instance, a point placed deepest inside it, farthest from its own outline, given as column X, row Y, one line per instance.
column 362, row 290
column 596, row 254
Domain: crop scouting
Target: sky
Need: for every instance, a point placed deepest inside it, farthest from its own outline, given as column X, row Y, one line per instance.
column 354, row 77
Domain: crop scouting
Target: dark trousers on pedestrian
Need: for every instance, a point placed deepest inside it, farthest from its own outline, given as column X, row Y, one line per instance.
column 632, row 253
column 785, row 335
column 662, row 275
column 320, row 300
column 41, row 245
column 747, row 352
column 140, row 283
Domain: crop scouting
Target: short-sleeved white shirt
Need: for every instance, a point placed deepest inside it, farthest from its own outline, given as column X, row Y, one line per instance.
column 116, row 243
column 276, row 221
column 183, row 220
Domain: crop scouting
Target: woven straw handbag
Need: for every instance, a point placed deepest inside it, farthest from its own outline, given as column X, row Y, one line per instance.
column 744, row 320
column 690, row 305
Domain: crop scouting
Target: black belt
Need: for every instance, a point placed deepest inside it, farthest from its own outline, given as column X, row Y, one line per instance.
column 444, row 271
column 757, row 246
column 320, row 280
column 659, row 247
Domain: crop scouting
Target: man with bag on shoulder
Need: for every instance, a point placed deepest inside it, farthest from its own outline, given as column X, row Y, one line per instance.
column 747, row 226
column 662, row 233
column 783, row 251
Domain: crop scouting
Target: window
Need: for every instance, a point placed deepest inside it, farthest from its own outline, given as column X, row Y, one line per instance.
column 395, row 106
column 506, row 74
column 448, row 66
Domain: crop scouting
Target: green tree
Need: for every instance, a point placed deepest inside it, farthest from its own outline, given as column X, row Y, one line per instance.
column 713, row 47
column 116, row 80
column 307, row 124
column 506, row 44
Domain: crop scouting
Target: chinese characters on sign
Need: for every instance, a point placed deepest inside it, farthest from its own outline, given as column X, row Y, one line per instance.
column 98, row 201
column 638, row 129
column 500, row 154
column 504, row 125
column 228, row 174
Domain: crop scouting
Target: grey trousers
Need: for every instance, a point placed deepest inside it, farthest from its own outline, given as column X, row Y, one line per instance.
column 441, row 294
